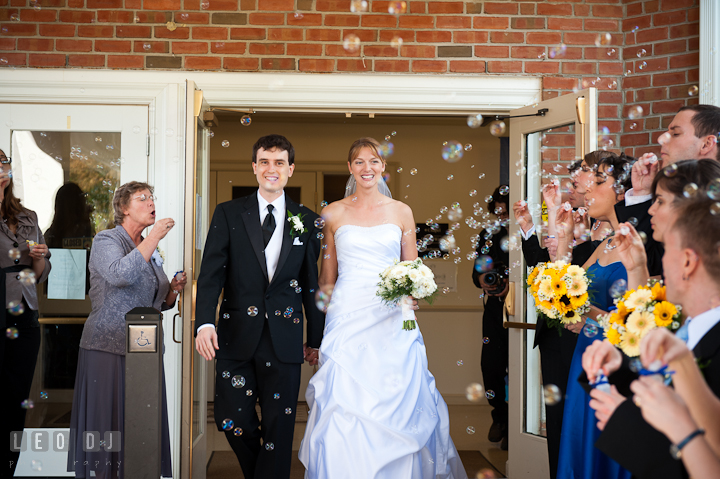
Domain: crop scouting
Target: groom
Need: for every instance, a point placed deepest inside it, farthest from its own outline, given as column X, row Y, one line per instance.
column 266, row 263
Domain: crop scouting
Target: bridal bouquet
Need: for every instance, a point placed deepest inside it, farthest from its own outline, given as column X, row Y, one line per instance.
column 403, row 279
column 639, row 311
column 561, row 293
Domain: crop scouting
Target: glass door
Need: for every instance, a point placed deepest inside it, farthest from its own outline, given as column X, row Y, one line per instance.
column 541, row 145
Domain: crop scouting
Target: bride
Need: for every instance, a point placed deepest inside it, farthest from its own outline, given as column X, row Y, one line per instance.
column 374, row 409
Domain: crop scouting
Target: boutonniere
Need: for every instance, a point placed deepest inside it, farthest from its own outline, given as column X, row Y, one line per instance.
column 158, row 257
column 296, row 224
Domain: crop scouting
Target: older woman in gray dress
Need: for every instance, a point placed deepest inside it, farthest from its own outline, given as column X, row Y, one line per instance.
column 125, row 272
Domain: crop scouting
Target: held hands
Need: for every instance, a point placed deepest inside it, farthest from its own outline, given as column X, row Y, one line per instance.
column 601, row 355
column 206, row 343
column 643, row 173
column 663, row 408
column 576, row 327
column 162, row 228
column 178, row 282
column 605, row 404
column 38, row 252
column 522, row 215
column 311, row 355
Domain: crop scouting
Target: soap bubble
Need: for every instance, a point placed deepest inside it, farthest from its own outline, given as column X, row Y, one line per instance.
column 299, row 15
column 459, row 363
column 322, row 298
column 36, row 465
column 319, row 223
column 490, row 394
column 635, row 365
column 450, row 177
column 474, row 121
column 351, row 43
column 226, row 374
column 552, row 394
column 16, row 308
column 486, row 340
column 483, row 264
column 27, row 404
column 246, row 120
column 14, row 253
column 603, row 39
column 635, row 112
column 397, row 7
column 641, row 53
column 504, row 190
column 252, row 311
column 237, row 381
column 468, row 147
column 452, row 151
column 238, row 431
column 497, row 128
column 414, row 171
column 670, row 170
column 690, row 190
column 618, row 288
column 474, row 392
column 715, row 209
column 43, row 395
column 228, row 424
column 642, row 65
column 269, row 446
column 358, row 6
column 590, row 330
column 470, row 430
column 225, row 143
column 11, row 333
column 396, row 41
column 713, row 189
column 693, row 90
column 558, row 51
column 473, row 193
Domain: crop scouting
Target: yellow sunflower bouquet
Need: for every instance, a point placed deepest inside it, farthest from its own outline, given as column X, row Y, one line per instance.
column 561, row 293
column 638, row 312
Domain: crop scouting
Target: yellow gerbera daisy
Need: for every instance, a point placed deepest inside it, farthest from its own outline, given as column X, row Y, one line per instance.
column 638, row 298
column 561, row 306
column 658, row 291
column 577, row 301
column 575, row 271
column 571, row 317
column 577, row 287
column 664, row 312
column 546, row 289
column 640, row 322
column 559, row 287
column 613, row 336
column 621, row 310
column 630, row 344
column 532, row 275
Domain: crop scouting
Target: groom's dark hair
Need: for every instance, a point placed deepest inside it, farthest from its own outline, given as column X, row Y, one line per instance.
column 274, row 141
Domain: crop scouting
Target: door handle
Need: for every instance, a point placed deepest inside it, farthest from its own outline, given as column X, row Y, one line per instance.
column 174, row 328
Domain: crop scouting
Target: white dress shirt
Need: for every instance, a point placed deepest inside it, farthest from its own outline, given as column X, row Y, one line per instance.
column 631, row 199
column 700, row 325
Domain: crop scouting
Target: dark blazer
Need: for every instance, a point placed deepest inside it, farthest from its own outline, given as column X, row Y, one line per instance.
column 234, row 261
column 653, row 249
column 638, row 446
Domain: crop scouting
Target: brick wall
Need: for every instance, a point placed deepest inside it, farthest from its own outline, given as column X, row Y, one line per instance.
column 555, row 40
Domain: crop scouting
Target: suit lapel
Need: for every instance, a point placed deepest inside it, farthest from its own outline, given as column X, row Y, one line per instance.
column 708, row 345
column 251, row 219
column 287, row 239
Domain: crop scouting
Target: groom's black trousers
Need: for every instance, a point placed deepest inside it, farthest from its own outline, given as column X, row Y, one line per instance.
column 275, row 385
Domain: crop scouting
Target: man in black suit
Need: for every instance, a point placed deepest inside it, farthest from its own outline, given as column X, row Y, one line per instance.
column 262, row 251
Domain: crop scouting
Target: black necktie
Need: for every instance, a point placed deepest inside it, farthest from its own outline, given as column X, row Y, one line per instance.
column 268, row 225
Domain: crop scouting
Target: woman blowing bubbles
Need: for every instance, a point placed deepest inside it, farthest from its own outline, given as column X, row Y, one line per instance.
column 125, row 273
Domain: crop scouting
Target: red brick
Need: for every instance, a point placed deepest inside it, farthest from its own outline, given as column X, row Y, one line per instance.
column 417, row 7
column 316, row 65
column 266, row 18
column 379, row 21
column 527, row 23
column 429, row 66
column 247, row 33
column 380, row 6
column 189, row 47
column 235, row 63
column 342, row 20
column 307, row 20
column 15, row 59
column 130, row 4
column 604, row 53
column 559, row 83
column 665, row 48
column 694, row 14
column 542, row 67
column 57, row 30
column 526, row 52
column 651, row 94
column 203, row 63
column 390, row 35
column 601, row 25
column 470, row 37
column 607, row 11
column 680, row 91
column 445, row 7
column 633, row 52
column 417, row 51
column 267, row 49
column 65, row 45
column 636, row 139
column 693, row 44
column 504, row 67
column 46, row 60
column 491, row 23
column 96, row 4
column 562, row 10
column 276, row 5
column 684, row 61
column 277, row 63
column 192, row 18
column 51, row 3
column 35, row 44
column 335, row 50
column 527, row 9
column 537, row 38
column 77, row 4
column 152, row 17
column 172, row 5
column 506, row 37
column 673, row 78
column 471, row 66
column 614, row 68
column 578, row 68
column 209, row 33
column 228, row 48
column 636, row 81
column 565, row 23
column 304, row 49
column 363, row 35
column 572, row 38
column 32, row 15
column 114, row 16
column 381, row 51
column 652, row 35
column 494, row 8
column 180, row 33
column 684, row 30
column 74, row 16
column 454, row 22
column 332, row 5
column 392, row 66
column 115, row 46
column 95, row 31
column 134, row 31
column 148, row 46
column 8, row 44
column 492, row 51
column 670, row 18
column 670, row 106
column 434, row 36
column 653, row 64
column 610, row 97
column 87, row 61
column 285, row 34
column 321, row 35
column 582, row 10
column 348, row 65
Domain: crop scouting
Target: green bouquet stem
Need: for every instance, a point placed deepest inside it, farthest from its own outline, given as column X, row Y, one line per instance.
column 409, row 325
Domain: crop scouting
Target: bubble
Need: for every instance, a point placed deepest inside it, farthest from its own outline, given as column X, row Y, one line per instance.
column 252, row 311
column 450, row 177
column 298, row 15
column 483, row 264
column 482, row 175
column 319, row 223
column 603, row 39
column 446, row 290
column 293, row 284
column 226, row 374
column 642, row 65
column 414, row 171
column 460, row 363
column 358, row 6
column 246, row 120
column 11, row 333
column 27, row 404
column 557, row 51
column 210, row 133
column 225, row 143
column 641, row 53
column 351, row 43
column 322, row 298
column 552, row 394
column 396, row 41
column 670, row 170
column 474, row 121
column 618, row 288
column 635, row 112
column 288, row 410
column 238, row 431
column 228, row 424
column 287, row 314
column 715, row 209
column 386, row 149
column 467, row 147
column 488, row 198
column 690, row 190
column 205, row 5
column 590, row 330
column 298, row 290
column 693, row 90
column 396, row 8
column 713, row 189
column 470, row 430
column 635, row 365
column 504, row 190
column 269, row 446
column 237, row 381
column 497, row 128
column 43, row 395
column 473, row 193
column 320, row 236
column 249, row 392
column 14, row 253
column 27, row 277
column 490, row 394
column 452, row 151
column 36, row 465
column 16, row 308
column 400, row 170
column 474, row 392
column 276, row 396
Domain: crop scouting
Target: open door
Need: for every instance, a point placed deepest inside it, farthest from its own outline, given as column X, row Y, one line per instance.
column 193, row 455
column 566, row 131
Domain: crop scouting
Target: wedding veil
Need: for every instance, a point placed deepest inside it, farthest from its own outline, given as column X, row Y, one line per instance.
column 351, row 185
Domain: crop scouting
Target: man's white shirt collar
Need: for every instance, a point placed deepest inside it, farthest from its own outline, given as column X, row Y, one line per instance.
column 278, row 204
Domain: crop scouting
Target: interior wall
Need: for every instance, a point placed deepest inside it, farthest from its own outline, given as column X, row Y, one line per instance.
column 452, row 325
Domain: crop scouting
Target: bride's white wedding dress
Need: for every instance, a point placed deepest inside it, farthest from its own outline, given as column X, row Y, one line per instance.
column 375, row 412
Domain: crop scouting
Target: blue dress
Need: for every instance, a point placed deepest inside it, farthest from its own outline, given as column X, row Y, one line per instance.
column 579, row 459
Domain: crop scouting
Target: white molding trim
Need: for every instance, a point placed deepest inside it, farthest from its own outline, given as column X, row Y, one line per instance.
column 709, row 85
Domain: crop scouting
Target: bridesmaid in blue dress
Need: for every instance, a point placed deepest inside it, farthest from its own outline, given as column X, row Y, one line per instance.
column 579, row 459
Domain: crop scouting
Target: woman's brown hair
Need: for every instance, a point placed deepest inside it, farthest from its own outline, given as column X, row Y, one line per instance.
column 361, row 143
column 10, row 206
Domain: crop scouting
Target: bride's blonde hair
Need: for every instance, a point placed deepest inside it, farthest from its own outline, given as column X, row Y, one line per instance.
column 361, row 143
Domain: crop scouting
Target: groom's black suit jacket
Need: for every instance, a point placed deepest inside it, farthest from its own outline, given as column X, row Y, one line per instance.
column 634, row 443
column 234, row 261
